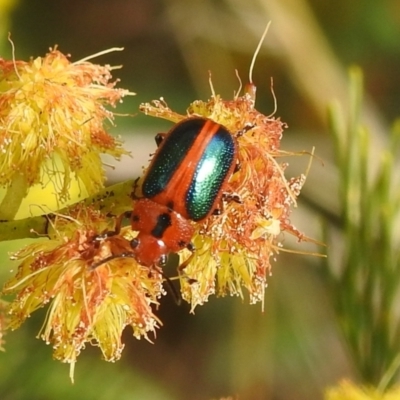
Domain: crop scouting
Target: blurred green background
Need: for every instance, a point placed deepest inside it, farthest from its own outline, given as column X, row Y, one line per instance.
column 294, row 349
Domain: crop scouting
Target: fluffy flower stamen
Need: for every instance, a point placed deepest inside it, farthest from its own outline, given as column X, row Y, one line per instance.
column 52, row 115
column 86, row 305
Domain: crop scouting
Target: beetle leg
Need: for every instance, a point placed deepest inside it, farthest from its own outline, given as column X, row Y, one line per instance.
column 118, row 224
column 238, row 167
column 232, row 197
column 182, row 266
column 246, row 128
column 117, row 229
column 135, row 186
column 227, row 197
column 170, row 286
column 159, row 138
column 103, row 236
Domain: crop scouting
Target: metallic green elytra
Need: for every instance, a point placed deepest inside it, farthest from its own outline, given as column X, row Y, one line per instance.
column 191, row 168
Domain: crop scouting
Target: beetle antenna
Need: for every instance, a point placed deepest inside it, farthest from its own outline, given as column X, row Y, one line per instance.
column 172, row 289
column 170, row 285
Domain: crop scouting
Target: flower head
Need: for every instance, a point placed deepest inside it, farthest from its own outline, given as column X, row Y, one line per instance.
column 234, row 248
column 85, row 304
column 52, row 115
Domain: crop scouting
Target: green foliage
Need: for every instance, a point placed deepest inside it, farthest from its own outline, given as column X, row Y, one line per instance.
column 365, row 281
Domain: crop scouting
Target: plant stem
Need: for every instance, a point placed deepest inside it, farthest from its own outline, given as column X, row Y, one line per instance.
column 14, row 195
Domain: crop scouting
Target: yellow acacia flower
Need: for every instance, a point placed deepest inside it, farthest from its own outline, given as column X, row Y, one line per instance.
column 85, row 304
column 52, row 114
column 347, row 390
column 93, row 305
column 233, row 249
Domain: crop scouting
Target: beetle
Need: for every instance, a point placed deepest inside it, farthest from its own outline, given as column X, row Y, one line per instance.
column 185, row 182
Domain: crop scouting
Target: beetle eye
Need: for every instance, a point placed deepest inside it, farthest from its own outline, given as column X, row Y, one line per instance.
column 134, row 243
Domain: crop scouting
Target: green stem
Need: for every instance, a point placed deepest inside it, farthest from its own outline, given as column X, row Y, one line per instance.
column 113, row 200
column 14, row 195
